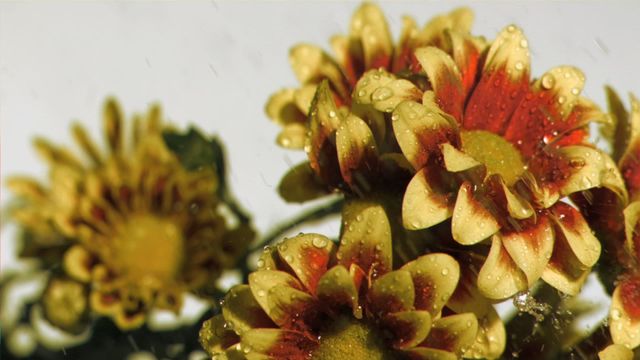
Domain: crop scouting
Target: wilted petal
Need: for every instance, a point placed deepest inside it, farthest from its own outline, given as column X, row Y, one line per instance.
column 366, row 237
column 392, row 292
column 421, row 130
column 504, row 81
column 422, row 206
column 307, row 255
column 445, row 79
column 409, row 328
column 435, row 277
column 242, row 312
column 276, row 344
column 300, row 184
column 500, row 277
column 337, row 288
column 472, row 222
column 454, row 333
column 357, row 153
column 530, row 245
column 384, row 91
column 624, row 317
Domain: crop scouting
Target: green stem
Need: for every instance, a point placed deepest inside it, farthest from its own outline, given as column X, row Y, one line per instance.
column 314, row 214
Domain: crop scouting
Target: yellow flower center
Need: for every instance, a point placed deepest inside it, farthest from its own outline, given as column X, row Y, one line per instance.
column 497, row 154
column 149, row 248
column 349, row 338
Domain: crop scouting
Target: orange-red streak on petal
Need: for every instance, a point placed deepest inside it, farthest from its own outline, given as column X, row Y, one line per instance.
column 630, row 295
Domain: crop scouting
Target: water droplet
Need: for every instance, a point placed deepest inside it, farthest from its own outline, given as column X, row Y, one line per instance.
column 548, row 81
column 382, row 94
column 319, row 242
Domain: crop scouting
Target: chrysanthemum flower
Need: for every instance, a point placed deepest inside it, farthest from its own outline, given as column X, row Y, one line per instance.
column 367, row 46
column 624, row 317
column 138, row 230
column 497, row 153
column 311, row 300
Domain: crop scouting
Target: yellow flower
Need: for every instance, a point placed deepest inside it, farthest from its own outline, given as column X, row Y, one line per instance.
column 312, row 300
column 137, row 228
column 615, row 352
column 496, row 154
column 367, row 46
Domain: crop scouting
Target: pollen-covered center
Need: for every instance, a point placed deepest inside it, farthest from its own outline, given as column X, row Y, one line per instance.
column 497, row 154
column 149, row 248
column 349, row 338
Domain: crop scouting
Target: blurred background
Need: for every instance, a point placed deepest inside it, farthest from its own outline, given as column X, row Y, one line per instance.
column 215, row 63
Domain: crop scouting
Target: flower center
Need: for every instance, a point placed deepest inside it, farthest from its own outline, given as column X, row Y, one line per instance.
column 349, row 338
column 497, row 154
column 149, row 248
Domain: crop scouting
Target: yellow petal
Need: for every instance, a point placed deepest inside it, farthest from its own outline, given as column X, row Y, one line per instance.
column 565, row 83
column 530, row 246
column 422, row 207
column 312, row 65
column 369, row 26
column 409, row 328
column 456, row 160
column 420, row 130
column 445, row 79
column 336, row 288
column 472, row 222
column 454, row 333
column 623, row 324
column 615, row 352
column 275, row 344
column 242, row 312
column 366, row 237
column 77, row 263
column 324, row 121
column 491, row 338
column 307, row 255
column 509, row 51
column 392, row 292
column 357, row 153
column 435, row 278
column 384, row 91
column 500, row 277
column 112, row 118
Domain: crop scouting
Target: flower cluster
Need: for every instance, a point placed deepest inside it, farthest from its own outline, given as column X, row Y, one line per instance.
column 132, row 230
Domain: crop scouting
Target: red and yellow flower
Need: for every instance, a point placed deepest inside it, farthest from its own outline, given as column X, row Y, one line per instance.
column 312, row 300
column 367, row 46
column 624, row 316
column 138, row 230
column 496, row 154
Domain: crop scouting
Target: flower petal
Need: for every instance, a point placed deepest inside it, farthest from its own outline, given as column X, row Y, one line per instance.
column 530, row 245
column 307, row 255
column 276, row 344
column 392, row 292
column 565, row 83
column 112, row 119
column 491, row 338
column 311, row 64
column 357, row 153
column 300, row 184
column 517, row 207
column 292, row 136
column 576, row 231
column 337, row 288
column 632, row 227
column 624, row 317
column 422, row 206
column 500, row 277
column 616, row 352
column 282, row 109
column 435, row 278
column 565, row 271
column 420, row 130
column 503, row 83
column 368, row 25
column 445, row 79
column 409, row 328
column 324, row 120
column 592, row 168
column 78, row 263
column 456, row 160
column 454, row 333
column 384, row 91
column 263, row 280
column 242, row 312
column 215, row 337
column 466, row 54
column 629, row 163
column 472, row 222
column 366, row 237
